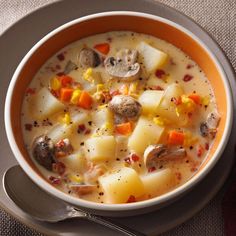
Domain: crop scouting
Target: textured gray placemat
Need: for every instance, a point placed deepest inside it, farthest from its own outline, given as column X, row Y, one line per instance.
column 218, row 17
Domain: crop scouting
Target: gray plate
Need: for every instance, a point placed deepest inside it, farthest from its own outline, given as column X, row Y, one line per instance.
column 28, row 31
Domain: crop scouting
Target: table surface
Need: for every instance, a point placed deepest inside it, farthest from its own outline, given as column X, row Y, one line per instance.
column 218, row 17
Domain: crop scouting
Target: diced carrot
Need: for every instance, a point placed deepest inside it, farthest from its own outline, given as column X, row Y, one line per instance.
column 103, row 48
column 65, row 80
column 196, row 98
column 175, row 138
column 124, row 128
column 65, row 94
column 85, row 100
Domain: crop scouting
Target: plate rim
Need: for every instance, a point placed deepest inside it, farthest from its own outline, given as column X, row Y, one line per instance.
column 11, row 27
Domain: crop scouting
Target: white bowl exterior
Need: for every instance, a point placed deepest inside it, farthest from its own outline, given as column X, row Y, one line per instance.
column 118, row 209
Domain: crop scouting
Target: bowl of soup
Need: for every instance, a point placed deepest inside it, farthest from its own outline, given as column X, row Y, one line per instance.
column 118, row 112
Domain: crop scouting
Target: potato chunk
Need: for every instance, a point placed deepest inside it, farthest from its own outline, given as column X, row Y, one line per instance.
column 167, row 108
column 44, row 104
column 120, row 185
column 103, row 119
column 158, row 182
column 145, row 133
column 61, row 131
column 101, row 148
column 75, row 162
column 152, row 57
column 150, row 100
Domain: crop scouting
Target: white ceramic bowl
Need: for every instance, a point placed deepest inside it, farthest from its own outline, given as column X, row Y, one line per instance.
column 99, row 23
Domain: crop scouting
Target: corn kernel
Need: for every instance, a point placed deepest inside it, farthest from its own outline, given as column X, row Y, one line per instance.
column 177, row 111
column 66, row 119
column 102, row 106
column 55, row 84
column 185, row 99
column 76, row 178
column 87, row 75
column 107, row 126
column 188, row 104
column 75, row 96
column 205, row 101
column 133, row 87
column 158, row 121
column 100, row 87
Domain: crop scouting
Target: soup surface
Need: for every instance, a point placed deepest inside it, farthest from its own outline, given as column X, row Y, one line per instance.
column 119, row 117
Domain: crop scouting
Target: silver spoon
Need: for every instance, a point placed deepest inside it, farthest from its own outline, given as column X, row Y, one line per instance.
column 44, row 207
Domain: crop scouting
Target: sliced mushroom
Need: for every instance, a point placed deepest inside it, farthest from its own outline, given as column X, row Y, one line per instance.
column 44, row 151
column 209, row 128
column 204, row 130
column 127, row 56
column 69, row 67
column 89, row 58
column 125, row 106
column 157, row 152
column 213, row 120
column 63, row 148
column 123, row 67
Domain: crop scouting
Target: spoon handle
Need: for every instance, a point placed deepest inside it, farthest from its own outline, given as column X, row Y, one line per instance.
column 108, row 223
column 113, row 225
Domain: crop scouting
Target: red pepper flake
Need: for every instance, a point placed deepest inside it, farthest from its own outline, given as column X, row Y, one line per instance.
column 200, row 150
column 28, row 127
column 114, row 93
column 59, row 168
column 127, row 160
column 151, row 169
column 189, row 66
column 134, row 157
column 30, row 91
column 61, row 57
column 60, row 73
column 190, row 115
column 54, row 180
column 55, row 93
column 87, row 131
column 178, row 175
column 207, row 146
column 109, row 39
column 157, row 87
column 131, row 199
column 81, row 128
column 187, row 78
column 160, row 73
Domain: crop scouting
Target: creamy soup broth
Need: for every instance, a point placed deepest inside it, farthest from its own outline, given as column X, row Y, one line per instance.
column 119, row 117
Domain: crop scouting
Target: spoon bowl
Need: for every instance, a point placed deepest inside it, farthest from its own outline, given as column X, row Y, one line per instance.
column 44, row 207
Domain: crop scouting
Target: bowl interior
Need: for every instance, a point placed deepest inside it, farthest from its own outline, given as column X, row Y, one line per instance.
column 106, row 23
